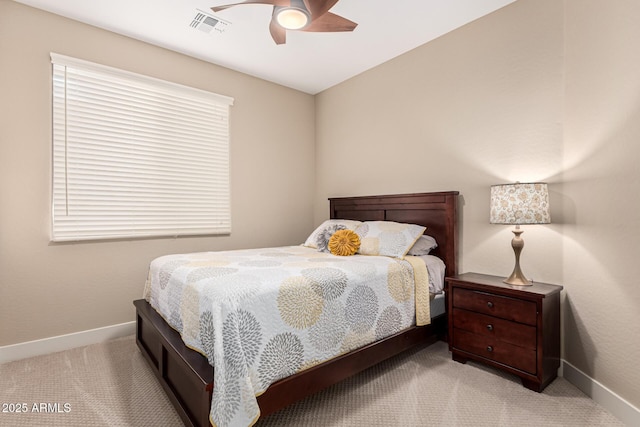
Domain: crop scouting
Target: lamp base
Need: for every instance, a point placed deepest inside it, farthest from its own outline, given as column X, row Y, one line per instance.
column 517, row 277
column 517, row 280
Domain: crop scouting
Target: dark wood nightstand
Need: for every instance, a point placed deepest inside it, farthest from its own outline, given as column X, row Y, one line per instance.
column 513, row 328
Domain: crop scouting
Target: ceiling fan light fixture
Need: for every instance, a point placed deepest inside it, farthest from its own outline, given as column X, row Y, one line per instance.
column 292, row 18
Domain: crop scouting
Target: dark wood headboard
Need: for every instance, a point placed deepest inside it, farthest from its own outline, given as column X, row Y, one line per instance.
column 436, row 211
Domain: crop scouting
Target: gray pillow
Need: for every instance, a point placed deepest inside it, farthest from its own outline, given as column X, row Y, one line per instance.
column 423, row 246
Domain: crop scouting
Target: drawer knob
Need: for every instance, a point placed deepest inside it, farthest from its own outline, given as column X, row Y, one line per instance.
column 489, row 348
column 490, row 304
column 490, row 327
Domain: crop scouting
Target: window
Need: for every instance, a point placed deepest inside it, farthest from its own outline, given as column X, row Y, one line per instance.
column 135, row 156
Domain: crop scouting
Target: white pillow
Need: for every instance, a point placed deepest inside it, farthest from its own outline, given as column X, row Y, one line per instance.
column 387, row 238
column 319, row 239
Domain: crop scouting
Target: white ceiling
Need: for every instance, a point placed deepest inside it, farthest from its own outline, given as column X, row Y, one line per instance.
column 309, row 62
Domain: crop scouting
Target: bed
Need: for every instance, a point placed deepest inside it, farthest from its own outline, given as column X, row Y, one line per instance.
column 187, row 377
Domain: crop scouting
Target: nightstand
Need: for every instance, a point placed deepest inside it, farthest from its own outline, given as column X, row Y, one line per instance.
column 513, row 328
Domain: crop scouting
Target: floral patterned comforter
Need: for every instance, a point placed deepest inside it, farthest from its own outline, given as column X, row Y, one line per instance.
column 260, row 315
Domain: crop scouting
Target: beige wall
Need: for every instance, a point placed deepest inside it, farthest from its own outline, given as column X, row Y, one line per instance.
column 48, row 290
column 500, row 100
column 601, row 192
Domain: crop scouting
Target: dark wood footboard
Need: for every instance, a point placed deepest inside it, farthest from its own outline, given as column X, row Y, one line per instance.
column 187, row 377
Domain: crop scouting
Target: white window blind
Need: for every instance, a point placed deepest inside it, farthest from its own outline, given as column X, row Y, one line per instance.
column 135, row 156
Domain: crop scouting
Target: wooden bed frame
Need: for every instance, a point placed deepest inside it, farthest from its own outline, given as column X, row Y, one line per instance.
column 187, row 377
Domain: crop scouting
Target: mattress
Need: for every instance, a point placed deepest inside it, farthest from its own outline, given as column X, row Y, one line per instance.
column 436, row 269
column 437, row 304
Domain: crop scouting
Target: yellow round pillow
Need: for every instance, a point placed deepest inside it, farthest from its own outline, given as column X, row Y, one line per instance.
column 344, row 243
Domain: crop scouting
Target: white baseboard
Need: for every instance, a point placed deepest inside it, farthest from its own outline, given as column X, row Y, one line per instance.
column 623, row 410
column 64, row 342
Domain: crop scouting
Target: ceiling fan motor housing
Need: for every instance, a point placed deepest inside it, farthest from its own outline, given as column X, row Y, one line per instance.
column 292, row 17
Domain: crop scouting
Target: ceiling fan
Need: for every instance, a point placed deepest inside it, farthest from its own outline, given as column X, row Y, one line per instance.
column 300, row 15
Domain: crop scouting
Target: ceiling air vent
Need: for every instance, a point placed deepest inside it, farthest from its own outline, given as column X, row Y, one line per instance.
column 208, row 23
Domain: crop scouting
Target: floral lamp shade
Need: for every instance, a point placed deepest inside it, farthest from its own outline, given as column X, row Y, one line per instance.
column 520, row 203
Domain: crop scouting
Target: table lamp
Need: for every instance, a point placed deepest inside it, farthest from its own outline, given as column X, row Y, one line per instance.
column 518, row 204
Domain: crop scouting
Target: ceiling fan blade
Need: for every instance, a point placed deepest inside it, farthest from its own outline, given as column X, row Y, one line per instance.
column 278, row 33
column 271, row 2
column 319, row 7
column 330, row 22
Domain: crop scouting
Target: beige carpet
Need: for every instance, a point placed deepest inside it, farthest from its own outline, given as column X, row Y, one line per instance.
column 109, row 384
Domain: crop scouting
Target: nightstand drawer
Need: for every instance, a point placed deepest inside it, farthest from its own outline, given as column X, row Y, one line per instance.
column 500, row 329
column 495, row 305
column 499, row 351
